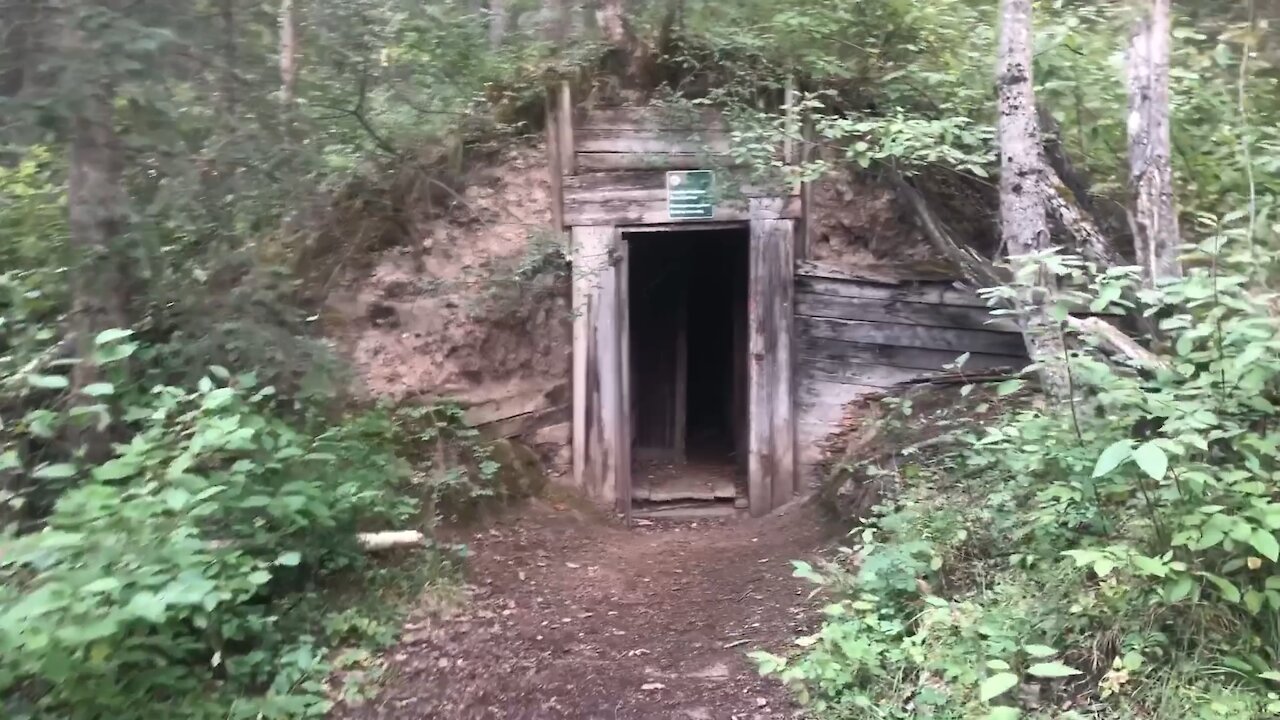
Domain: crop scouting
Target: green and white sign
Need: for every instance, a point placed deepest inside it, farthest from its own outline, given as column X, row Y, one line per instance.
column 689, row 195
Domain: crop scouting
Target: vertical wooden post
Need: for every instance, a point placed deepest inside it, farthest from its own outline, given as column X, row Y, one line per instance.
column 599, row 399
column 564, row 121
column 771, row 467
column 554, row 167
column 790, row 126
column 804, row 238
column 625, row 431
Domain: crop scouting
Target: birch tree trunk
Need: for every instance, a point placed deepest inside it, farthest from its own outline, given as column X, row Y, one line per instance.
column 1023, row 222
column 497, row 23
column 555, row 16
column 288, row 53
column 1155, row 221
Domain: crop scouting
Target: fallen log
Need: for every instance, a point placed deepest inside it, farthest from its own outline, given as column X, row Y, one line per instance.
column 368, row 541
column 1113, row 340
column 375, row 541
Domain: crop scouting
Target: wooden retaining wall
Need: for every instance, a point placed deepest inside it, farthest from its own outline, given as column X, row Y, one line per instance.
column 856, row 337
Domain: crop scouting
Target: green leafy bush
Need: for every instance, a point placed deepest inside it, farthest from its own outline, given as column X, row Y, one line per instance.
column 1114, row 558
column 160, row 575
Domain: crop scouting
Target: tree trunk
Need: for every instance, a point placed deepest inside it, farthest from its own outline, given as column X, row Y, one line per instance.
column 1155, row 221
column 17, row 25
column 1023, row 222
column 96, row 211
column 555, row 18
column 633, row 57
column 288, row 53
column 227, row 86
column 497, row 23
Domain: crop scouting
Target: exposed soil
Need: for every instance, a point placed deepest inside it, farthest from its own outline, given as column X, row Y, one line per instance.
column 573, row 616
column 475, row 309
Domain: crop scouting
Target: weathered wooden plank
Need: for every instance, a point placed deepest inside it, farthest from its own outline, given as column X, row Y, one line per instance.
column 564, row 125
column 625, row 433
column 897, row 311
column 652, row 185
column 654, row 212
column 665, row 142
column 903, row 357
column 958, row 341
column 933, row 293
column 855, row 373
column 820, row 410
column 554, row 165
column 598, row 397
column 608, row 161
column 894, row 273
column 651, row 117
column 771, row 453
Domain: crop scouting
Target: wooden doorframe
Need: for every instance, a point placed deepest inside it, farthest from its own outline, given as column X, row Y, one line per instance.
column 602, row 433
column 601, row 415
column 771, row 458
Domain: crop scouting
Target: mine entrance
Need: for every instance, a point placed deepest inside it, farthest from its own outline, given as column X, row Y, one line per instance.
column 687, row 307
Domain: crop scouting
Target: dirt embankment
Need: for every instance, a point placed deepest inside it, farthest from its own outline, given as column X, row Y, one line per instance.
column 475, row 309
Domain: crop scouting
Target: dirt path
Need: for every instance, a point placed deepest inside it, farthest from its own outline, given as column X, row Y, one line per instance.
column 570, row 617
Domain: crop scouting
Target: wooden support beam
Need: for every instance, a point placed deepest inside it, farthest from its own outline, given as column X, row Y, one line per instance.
column 771, row 474
column 554, row 164
column 568, row 151
column 601, row 463
column 917, row 336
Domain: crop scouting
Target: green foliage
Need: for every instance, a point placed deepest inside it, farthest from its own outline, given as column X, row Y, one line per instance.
column 162, row 571
column 1100, row 557
column 455, row 466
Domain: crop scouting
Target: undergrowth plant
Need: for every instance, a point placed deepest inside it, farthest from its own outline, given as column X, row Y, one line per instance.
column 1114, row 557
column 168, row 573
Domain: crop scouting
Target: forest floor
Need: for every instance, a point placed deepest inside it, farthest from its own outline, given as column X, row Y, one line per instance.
column 569, row 615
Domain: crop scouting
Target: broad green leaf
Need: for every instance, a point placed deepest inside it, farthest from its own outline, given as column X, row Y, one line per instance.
column 1265, row 543
column 1009, row 387
column 289, row 559
column 47, row 382
column 1004, row 713
column 56, row 471
column 1179, row 589
column 1112, row 457
column 101, row 389
column 101, row 585
column 1253, row 601
column 1052, row 670
column 1040, row 651
column 147, row 605
column 115, row 469
column 805, row 571
column 259, row 577
column 114, row 352
column 1150, row 565
column 997, row 685
column 9, row 460
column 1152, row 460
column 109, row 336
column 1229, row 591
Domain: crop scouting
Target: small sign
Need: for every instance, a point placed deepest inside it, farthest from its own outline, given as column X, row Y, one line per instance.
column 689, row 195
